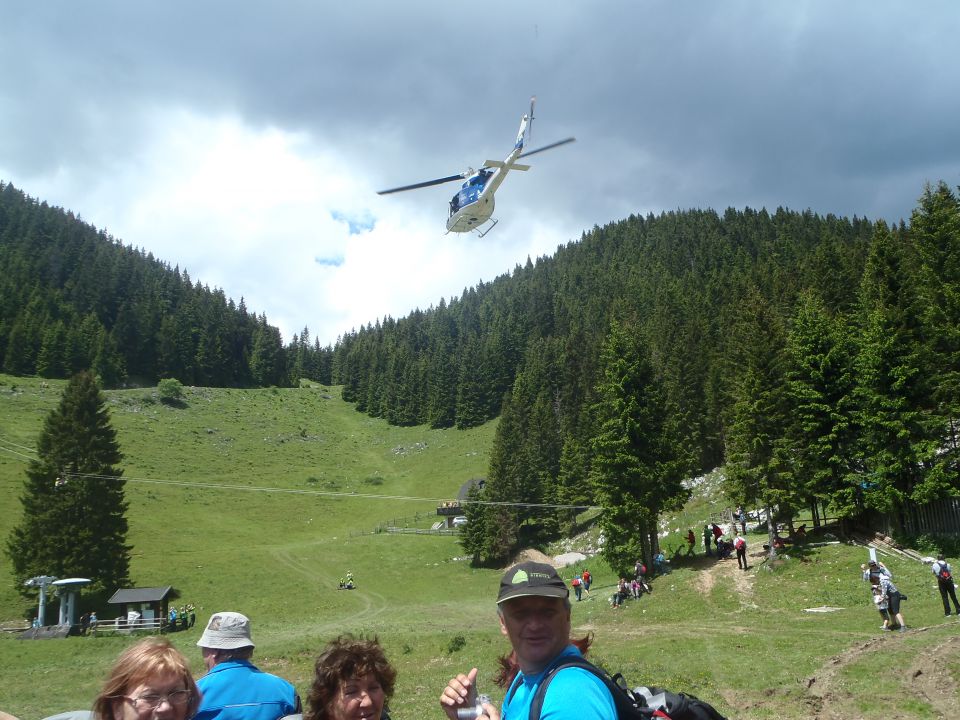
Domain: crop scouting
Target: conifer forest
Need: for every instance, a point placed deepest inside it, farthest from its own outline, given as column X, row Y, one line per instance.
column 816, row 358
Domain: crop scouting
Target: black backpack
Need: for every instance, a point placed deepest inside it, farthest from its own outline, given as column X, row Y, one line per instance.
column 944, row 573
column 642, row 703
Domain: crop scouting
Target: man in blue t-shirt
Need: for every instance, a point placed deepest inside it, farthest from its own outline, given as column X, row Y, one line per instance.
column 234, row 688
column 534, row 611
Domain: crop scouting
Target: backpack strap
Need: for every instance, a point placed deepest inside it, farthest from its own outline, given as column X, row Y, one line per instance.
column 625, row 707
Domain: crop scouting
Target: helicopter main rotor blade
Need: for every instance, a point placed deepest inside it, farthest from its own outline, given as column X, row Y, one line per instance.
column 427, row 183
column 551, row 146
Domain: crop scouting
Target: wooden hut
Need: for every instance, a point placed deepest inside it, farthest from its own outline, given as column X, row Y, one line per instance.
column 150, row 603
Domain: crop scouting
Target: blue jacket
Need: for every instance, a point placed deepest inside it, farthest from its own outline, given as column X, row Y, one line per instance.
column 238, row 690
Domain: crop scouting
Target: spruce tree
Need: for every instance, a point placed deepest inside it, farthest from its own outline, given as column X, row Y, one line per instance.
column 935, row 234
column 759, row 416
column 900, row 437
column 473, row 534
column 635, row 467
column 74, row 512
column 820, row 437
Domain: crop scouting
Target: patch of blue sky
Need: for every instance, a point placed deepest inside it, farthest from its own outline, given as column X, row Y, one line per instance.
column 356, row 224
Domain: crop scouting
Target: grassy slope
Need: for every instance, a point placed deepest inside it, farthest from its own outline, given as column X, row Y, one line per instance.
column 277, row 557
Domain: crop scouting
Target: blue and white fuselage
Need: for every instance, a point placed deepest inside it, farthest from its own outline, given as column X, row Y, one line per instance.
column 473, row 205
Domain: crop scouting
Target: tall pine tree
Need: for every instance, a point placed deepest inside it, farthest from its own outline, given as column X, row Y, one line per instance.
column 635, row 468
column 759, row 417
column 74, row 513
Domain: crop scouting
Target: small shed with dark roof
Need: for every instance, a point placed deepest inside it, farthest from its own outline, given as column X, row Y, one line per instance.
column 150, row 602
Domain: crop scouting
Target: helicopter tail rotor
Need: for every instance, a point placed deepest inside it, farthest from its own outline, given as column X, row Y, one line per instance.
column 533, row 101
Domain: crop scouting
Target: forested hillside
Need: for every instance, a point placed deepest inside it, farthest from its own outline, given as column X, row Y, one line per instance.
column 678, row 279
column 73, row 298
column 816, row 357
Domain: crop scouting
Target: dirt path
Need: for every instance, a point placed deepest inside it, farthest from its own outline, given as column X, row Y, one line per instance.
column 372, row 603
column 927, row 680
column 726, row 572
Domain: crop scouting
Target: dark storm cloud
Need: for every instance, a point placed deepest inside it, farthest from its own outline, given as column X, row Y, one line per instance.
column 844, row 108
column 675, row 105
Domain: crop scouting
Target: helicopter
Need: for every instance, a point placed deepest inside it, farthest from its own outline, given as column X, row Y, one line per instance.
column 473, row 204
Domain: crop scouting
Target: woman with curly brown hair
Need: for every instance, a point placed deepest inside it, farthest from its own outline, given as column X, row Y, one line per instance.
column 150, row 681
column 353, row 681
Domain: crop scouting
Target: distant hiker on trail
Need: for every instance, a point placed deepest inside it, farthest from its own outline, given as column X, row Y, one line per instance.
column 640, row 570
column 740, row 545
column 577, row 584
column 587, row 579
column 691, row 541
column 945, row 584
column 717, row 532
column 707, row 537
column 741, row 517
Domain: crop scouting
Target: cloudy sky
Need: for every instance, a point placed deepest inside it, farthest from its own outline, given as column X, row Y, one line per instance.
column 245, row 142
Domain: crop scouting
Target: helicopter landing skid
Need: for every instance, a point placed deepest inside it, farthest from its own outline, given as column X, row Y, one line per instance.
column 493, row 224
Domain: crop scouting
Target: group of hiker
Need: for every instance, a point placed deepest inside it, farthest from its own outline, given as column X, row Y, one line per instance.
column 182, row 618
column 631, row 589
column 725, row 547
column 88, row 623
column 887, row 597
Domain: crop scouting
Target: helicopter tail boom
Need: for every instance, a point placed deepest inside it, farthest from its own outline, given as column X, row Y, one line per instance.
column 508, row 166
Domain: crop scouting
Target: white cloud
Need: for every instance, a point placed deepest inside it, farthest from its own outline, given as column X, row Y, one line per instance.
column 293, row 228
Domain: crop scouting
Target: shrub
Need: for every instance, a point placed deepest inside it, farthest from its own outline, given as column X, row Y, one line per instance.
column 170, row 391
column 457, row 642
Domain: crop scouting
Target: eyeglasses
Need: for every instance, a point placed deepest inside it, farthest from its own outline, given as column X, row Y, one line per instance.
column 177, row 698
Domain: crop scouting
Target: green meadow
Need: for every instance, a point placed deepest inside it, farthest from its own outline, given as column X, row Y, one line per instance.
column 260, row 500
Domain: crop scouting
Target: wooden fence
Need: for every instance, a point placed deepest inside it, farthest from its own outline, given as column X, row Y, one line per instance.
column 941, row 517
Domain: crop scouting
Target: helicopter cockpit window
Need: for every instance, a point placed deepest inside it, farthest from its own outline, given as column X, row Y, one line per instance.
column 469, row 194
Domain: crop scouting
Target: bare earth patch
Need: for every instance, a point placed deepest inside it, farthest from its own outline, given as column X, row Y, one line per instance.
column 727, row 572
